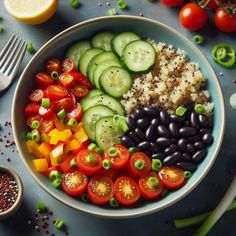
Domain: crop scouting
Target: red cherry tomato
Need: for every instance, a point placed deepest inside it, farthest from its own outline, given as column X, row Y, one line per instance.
column 147, row 191
column 126, row 190
column 68, row 65
column 76, row 113
column 56, row 91
column 121, row 159
column 66, row 80
column 172, row 3
column 53, row 64
column 89, row 166
column 36, row 95
column 46, row 126
column 64, row 103
column 139, row 156
column 113, row 174
column 30, row 119
column 213, row 4
column 43, row 79
column 171, row 177
column 192, row 16
column 224, row 21
column 100, row 189
column 47, row 113
column 31, row 109
column 79, row 90
column 82, row 79
column 74, row 183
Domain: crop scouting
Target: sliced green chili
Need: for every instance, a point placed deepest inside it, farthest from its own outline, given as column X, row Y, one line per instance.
column 72, row 122
column 106, row 164
column 90, row 158
column 84, row 197
column 122, row 4
column 156, row 164
column 54, row 75
column 199, row 108
column 74, row 3
column 139, row 165
column 111, row 12
column 59, row 223
column 133, row 149
column 56, row 183
column 41, row 207
column 30, row 48
column 35, row 135
column 198, row 39
column 113, row 202
column 153, row 182
column 92, row 146
column 72, row 163
column 180, row 111
column 62, row 114
column 112, row 151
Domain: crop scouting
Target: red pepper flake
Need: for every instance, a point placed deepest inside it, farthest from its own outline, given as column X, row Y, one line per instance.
column 8, row 159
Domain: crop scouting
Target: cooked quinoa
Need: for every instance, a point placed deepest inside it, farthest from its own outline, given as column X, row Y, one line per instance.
column 172, row 81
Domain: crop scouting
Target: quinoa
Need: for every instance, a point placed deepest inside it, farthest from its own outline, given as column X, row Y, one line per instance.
column 172, row 80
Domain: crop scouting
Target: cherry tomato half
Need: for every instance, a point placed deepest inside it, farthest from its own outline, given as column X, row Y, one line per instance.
column 74, row 183
column 31, row 109
column 53, row 64
column 79, row 90
column 76, row 113
column 47, row 113
column 100, row 189
column 36, row 95
column 43, row 79
column 82, row 79
column 89, row 162
column 171, row 177
column 172, row 3
column 66, row 80
column 64, row 103
column 30, row 119
column 46, row 126
column 67, row 65
column 147, row 191
column 126, row 190
column 56, row 91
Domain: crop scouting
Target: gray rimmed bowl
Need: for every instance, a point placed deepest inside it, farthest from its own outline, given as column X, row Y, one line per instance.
column 153, row 30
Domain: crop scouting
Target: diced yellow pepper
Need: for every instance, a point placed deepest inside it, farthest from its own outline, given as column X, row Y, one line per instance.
column 56, row 153
column 57, row 135
column 45, row 149
column 80, row 135
column 59, row 125
column 77, row 127
column 41, row 164
column 32, row 148
column 73, row 145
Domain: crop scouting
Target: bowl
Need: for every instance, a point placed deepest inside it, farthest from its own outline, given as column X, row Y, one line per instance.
column 17, row 203
column 146, row 27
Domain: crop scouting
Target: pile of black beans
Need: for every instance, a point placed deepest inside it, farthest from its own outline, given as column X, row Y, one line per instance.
column 175, row 140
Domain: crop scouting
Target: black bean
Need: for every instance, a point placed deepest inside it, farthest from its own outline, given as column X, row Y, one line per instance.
column 174, row 140
column 145, row 145
column 173, row 128
column 163, row 142
column 188, row 104
column 164, row 117
column 182, row 144
column 138, row 132
column 194, row 120
column 154, row 122
column 172, row 148
column 162, row 131
column 143, row 123
column 203, row 121
column 207, row 138
column 177, row 119
column 158, row 155
column 134, row 138
column 138, row 113
column 150, row 132
column 130, row 122
column 172, row 159
column 150, row 111
column 186, row 156
column 190, row 148
column 187, row 131
column 187, row 123
column 154, row 148
column 204, row 131
column 199, row 145
column 127, row 141
column 186, row 166
column 199, row 156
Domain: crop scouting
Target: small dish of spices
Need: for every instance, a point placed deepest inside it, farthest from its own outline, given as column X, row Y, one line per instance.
column 11, row 192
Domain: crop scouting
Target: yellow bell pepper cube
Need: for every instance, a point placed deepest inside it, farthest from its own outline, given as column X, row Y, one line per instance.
column 56, row 153
column 81, row 136
column 59, row 125
column 72, row 145
column 45, row 149
column 77, row 127
column 41, row 164
column 32, row 148
column 59, row 135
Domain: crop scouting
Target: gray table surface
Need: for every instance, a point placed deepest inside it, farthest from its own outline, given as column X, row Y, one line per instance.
column 207, row 194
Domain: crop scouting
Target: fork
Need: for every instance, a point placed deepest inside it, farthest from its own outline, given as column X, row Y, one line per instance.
column 11, row 57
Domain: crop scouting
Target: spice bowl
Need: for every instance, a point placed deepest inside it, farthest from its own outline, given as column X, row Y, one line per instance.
column 12, row 187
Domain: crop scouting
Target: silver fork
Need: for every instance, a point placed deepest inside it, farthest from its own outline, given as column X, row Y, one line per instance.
column 11, row 57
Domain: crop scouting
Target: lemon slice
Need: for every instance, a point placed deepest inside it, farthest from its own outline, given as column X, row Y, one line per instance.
column 31, row 11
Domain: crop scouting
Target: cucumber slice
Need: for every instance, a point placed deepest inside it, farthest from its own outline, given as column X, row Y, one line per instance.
column 106, row 133
column 94, row 92
column 100, row 68
column 91, row 116
column 76, row 50
column 86, row 57
column 103, row 56
column 121, row 40
column 103, row 40
column 139, row 56
column 115, row 81
column 105, row 100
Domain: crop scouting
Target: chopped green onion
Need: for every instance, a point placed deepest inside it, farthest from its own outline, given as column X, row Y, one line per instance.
column 113, row 202
column 84, row 197
column 59, row 223
column 123, row 125
column 45, row 102
column 180, row 111
column 187, row 174
column 111, row 12
column 35, row 124
column 54, row 174
column 90, row 158
column 198, row 39
column 41, row 207
column 72, row 163
column 1, row 28
column 133, row 149
column 98, row 150
column 199, row 108
column 44, row 137
column 62, row 114
column 74, row 3
column 139, row 164
column 54, row 75
column 116, row 120
column 156, row 164
column 106, row 164
column 112, row 151
column 92, row 146
column 56, row 183
column 153, row 182
column 28, row 136
column 35, row 135
column 122, row 4
column 72, row 122
column 30, row 48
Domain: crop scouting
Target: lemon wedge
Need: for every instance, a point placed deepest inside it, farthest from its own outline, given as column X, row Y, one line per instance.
column 31, row 11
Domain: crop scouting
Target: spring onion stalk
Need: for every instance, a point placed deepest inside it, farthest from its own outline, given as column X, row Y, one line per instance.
column 111, row 12
column 219, row 210
column 30, row 48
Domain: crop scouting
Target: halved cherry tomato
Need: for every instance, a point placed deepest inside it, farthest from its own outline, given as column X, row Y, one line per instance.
column 100, row 189
column 74, row 183
column 89, row 167
column 79, row 90
column 146, row 190
column 56, row 91
column 172, row 3
column 76, row 113
column 64, row 103
column 126, row 190
column 113, row 174
column 30, row 119
column 43, row 79
column 142, row 157
column 171, row 177
column 121, row 159
column 46, row 126
column 68, row 65
column 53, row 64
column 36, row 95
column 82, row 79
column 66, row 80
column 47, row 113
column 31, row 109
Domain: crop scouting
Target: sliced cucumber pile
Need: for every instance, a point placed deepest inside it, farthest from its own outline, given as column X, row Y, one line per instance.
column 94, row 93
column 103, row 40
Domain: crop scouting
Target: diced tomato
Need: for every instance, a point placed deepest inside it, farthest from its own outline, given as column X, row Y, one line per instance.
column 76, row 113
column 65, row 165
column 68, row 65
column 31, row 109
column 66, row 80
column 47, row 113
column 79, row 90
column 36, row 95
column 100, row 189
column 53, row 64
column 82, row 79
column 30, row 119
column 56, row 91
column 45, row 126
column 64, row 103
column 43, row 79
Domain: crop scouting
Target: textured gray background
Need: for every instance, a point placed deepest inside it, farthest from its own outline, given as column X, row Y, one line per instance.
column 203, row 198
